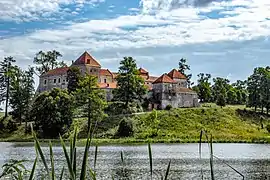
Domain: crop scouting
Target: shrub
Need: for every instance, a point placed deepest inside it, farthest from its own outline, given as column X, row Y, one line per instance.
column 268, row 127
column 11, row 126
column 168, row 107
column 125, row 128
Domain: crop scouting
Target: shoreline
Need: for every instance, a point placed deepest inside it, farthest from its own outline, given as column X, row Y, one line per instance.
column 128, row 141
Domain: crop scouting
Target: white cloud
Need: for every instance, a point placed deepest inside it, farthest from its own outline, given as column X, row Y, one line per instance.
column 29, row 10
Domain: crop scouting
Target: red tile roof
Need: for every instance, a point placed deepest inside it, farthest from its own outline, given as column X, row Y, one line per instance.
column 151, row 79
column 182, row 89
column 143, row 71
column 86, row 58
column 105, row 72
column 176, row 74
column 57, row 71
column 164, row 79
column 112, row 85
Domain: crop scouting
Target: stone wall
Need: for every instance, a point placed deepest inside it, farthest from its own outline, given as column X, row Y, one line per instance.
column 47, row 83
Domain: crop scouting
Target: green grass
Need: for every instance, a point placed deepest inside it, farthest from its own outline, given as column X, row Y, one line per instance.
column 175, row 126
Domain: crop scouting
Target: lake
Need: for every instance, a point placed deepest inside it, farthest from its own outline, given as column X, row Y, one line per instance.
column 252, row 160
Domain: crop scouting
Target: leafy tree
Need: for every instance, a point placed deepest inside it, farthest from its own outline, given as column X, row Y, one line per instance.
column 219, row 90
column 259, row 89
column 21, row 93
column 6, row 70
column 241, row 91
column 73, row 76
column 52, row 112
column 125, row 128
column 91, row 99
column 232, row 96
column 183, row 68
column 204, row 87
column 46, row 61
column 130, row 85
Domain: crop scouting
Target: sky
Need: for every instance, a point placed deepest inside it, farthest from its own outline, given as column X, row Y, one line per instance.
column 226, row 38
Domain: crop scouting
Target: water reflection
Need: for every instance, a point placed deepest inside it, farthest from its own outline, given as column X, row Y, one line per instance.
column 252, row 160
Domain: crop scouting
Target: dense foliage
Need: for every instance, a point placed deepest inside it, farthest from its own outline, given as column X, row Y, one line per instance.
column 21, row 93
column 130, row 85
column 73, row 77
column 259, row 89
column 52, row 112
column 90, row 99
column 6, row 69
column 47, row 61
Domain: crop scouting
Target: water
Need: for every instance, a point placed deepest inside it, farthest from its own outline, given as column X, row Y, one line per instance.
column 252, row 160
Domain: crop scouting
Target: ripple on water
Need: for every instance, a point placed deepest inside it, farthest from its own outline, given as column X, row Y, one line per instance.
column 250, row 159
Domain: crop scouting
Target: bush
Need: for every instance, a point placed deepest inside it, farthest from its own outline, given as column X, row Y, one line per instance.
column 125, row 128
column 116, row 108
column 11, row 126
column 168, row 107
column 268, row 127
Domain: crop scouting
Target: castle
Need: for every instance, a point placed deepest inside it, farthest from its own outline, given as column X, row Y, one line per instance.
column 168, row 89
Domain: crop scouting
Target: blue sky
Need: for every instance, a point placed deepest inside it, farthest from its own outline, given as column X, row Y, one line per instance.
column 224, row 38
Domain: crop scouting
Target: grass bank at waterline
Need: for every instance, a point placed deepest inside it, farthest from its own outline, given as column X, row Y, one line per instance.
column 227, row 125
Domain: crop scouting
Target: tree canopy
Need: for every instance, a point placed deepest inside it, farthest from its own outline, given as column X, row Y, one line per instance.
column 90, row 99
column 47, row 61
column 52, row 112
column 130, row 85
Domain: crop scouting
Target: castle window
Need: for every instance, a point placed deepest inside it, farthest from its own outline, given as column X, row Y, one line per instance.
column 90, row 70
column 59, row 80
column 54, row 81
column 45, row 81
column 105, row 80
column 88, row 61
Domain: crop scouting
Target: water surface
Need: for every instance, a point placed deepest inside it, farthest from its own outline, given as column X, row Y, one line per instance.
column 252, row 160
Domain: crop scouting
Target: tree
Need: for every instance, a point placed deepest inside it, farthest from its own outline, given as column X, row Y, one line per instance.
column 204, row 87
column 6, row 70
column 125, row 128
column 52, row 112
column 241, row 91
column 46, row 61
column 232, row 96
column 183, row 67
column 21, row 93
column 259, row 89
column 219, row 90
column 90, row 99
column 73, row 76
column 130, row 85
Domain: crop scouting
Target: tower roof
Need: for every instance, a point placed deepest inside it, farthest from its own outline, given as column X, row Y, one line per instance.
column 56, row 71
column 176, row 74
column 143, row 71
column 86, row 58
column 164, row 79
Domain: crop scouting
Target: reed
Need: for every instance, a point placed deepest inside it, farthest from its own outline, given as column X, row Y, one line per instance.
column 86, row 172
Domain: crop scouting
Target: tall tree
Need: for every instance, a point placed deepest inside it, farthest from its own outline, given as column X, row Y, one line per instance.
column 204, row 87
column 219, row 90
column 46, row 61
column 258, row 88
column 21, row 93
column 6, row 71
column 130, row 85
column 241, row 91
column 52, row 112
column 73, row 76
column 183, row 68
column 90, row 99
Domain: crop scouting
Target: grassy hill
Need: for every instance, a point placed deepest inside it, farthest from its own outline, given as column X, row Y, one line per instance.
column 229, row 124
